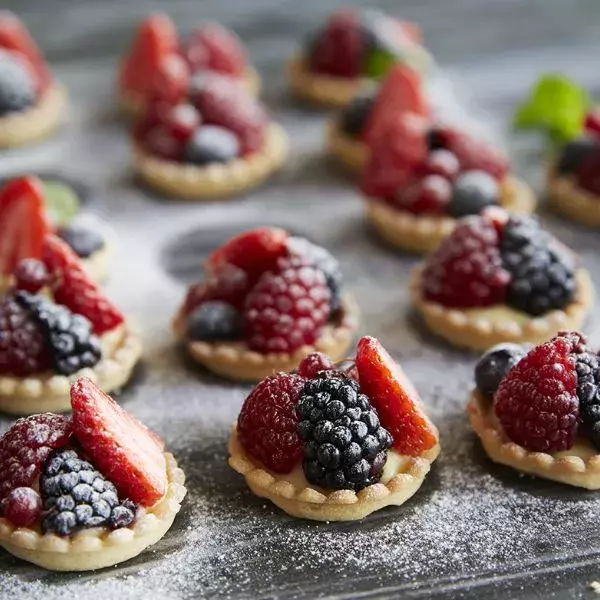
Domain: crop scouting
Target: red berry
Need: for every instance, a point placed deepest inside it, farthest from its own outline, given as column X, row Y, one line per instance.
column 313, row 364
column 214, row 48
column 287, row 310
column 537, row 402
column 122, row 449
column 31, row 275
column 181, row 121
column 25, row 447
column 429, row 195
column 588, row 174
column 466, row 270
column 22, row 507
column 267, row 422
column 442, row 163
column 74, row 289
column 592, row 122
column 170, row 82
column 339, row 48
column 222, row 101
column 160, row 142
column 395, row 399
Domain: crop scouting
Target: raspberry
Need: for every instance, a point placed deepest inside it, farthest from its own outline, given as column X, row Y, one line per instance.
column 587, row 173
column 267, row 422
column 537, row 402
column 22, row 507
column 430, row 195
column 466, row 270
column 22, row 344
column 215, row 48
column 287, row 310
column 313, row 364
column 181, row 121
column 338, row 49
column 160, row 142
column 26, row 446
column 230, row 285
column 592, row 122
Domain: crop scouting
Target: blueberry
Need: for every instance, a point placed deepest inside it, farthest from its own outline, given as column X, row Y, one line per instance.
column 574, row 153
column 354, row 117
column 214, row 320
column 17, row 88
column 473, row 191
column 212, row 144
column 82, row 240
column 493, row 366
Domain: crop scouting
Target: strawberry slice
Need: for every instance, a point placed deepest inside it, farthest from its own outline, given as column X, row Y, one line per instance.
column 155, row 40
column 124, row 450
column 400, row 93
column 15, row 37
column 74, row 289
column 214, row 48
column 396, row 400
column 23, row 222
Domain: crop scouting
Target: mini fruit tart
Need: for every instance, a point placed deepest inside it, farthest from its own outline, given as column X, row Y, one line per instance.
column 335, row 445
column 26, row 219
column 32, row 103
column 351, row 52
column 267, row 301
column 158, row 55
column 88, row 491
column 501, row 279
column 55, row 326
column 538, row 410
column 573, row 181
column 220, row 144
column 420, row 177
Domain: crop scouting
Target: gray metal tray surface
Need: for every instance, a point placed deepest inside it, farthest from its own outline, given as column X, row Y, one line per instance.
column 474, row 530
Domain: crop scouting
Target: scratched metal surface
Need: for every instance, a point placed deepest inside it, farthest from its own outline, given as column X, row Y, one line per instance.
column 474, row 530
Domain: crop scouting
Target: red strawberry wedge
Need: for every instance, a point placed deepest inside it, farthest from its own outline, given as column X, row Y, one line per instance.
column 214, row 48
column 74, row 289
column 122, row 448
column 395, row 399
column 23, row 222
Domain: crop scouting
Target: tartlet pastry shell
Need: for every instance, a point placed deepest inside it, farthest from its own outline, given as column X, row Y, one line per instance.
column 190, row 182
column 49, row 392
column 567, row 198
column 422, row 234
column 99, row 547
column 234, row 360
column 566, row 468
column 479, row 333
column 308, row 502
column 131, row 104
column 350, row 152
column 35, row 123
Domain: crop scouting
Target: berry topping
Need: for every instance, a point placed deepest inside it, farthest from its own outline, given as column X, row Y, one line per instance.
column 82, row 240
column 223, row 102
column 466, row 270
column 23, row 349
column 181, row 121
column 587, row 367
column 473, row 191
column 429, row 195
column 441, row 162
column 68, row 337
column 212, row 144
column 344, row 444
column 214, row 48
column 287, row 310
column 536, row 403
column 25, row 447
column 214, row 320
column 267, row 423
column 75, row 290
column 542, row 272
column 394, row 398
column 588, row 173
column 313, row 364
column 493, row 366
column 169, row 84
column 22, row 507
column 355, row 116
column 77, row 497
column 31, row 275
column 17, row 85
column 123, row 449
column 338, row 49
column 592, row 122
column 159, row 141
column 574, row 153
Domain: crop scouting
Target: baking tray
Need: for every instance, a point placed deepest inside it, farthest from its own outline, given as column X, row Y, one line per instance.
column 474, row 530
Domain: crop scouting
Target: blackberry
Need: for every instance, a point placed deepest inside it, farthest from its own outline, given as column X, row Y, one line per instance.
column 68, row 337
column 323, row 260
column 542, row 274
column 344, row 444
column 214, row 320
column 587, row 367
column 82, row 240
column 76, row 496
column 355, row 116
column 17, row 88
